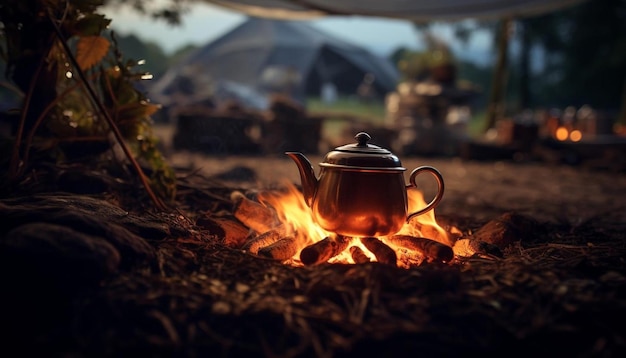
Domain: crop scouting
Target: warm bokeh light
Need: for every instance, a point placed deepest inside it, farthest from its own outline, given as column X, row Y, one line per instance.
column 562, row 133
column 575, row 135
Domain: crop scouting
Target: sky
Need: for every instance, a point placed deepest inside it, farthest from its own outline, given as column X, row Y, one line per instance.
column 205, row 23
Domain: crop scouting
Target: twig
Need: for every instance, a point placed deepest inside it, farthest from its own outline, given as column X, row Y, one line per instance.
column 118, row 135
column 15, row 155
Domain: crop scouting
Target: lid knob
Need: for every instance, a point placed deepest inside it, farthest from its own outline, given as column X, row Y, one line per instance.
column 362, row 138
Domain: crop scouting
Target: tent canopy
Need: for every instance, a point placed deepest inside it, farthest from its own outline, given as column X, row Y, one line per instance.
column 247, row 53
column 415, row 10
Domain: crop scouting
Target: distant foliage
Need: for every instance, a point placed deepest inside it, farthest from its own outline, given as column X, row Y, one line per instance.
column 59, row 119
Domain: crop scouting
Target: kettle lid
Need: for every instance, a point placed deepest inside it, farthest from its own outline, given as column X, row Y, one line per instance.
column 363, row 155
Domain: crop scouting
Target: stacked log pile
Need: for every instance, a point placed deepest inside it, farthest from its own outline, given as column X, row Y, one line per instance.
column 257, row 230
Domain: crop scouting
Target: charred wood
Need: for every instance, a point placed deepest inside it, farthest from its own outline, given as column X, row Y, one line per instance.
column 324, row 250
column 230, row 231
column 431, row 249
column 383, row 253
column 281, row 250
column 358, row 255
column 409, row 258
column 265, row 239
column 254, row 215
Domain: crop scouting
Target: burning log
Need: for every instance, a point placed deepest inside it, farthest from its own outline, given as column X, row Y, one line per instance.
column 281, row 250
column 324, row 250
column 265, row 239
column 232, row 232
column 431, row 249
column 409, row 258
column 383, row 253
column 254, row 215
column 432, row 232
column 358, row 255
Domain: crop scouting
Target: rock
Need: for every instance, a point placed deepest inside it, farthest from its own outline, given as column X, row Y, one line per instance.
column 505, row 230
column 134, row 250
column 57, row 255
column 81, row 181
column 85, row 215
column 482, row 247
column 52, row 207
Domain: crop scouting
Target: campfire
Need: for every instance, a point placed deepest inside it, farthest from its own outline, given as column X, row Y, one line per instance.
column 282, row 228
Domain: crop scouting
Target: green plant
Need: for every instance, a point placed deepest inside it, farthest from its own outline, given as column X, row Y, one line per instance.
column 80, row 94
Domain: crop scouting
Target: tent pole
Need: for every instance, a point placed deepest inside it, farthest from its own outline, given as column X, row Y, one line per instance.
column 495, row 106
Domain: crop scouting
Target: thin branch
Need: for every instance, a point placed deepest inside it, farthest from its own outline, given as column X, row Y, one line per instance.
column 118, row 135
column 15, row 163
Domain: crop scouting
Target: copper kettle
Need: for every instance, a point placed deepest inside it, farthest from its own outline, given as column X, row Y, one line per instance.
column 361, row 189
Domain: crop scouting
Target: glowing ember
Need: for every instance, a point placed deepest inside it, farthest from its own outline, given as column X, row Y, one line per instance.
column 296, row 219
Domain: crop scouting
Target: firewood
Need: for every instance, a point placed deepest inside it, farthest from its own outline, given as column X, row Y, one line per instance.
column 431, row 249
column 265, row 239
column 281, row 250
column 253, row 214
column 324, row 250
column 358, row 255
column 432, row 232
column 384, row 254
column 232, row 232
column 409, row 258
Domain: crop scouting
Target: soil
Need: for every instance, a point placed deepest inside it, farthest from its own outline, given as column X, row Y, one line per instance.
column 176, row 290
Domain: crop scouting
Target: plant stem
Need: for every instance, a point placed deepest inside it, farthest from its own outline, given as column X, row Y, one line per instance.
column 15, row 163
column 118, row 135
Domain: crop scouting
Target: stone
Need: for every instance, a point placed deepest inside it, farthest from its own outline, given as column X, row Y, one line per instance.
column 47, row 207
column 506, row 229
column 88, row 216
column 58, row 255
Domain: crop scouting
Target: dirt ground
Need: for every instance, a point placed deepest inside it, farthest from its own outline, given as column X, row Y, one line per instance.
column 162, row 285
column 482, row 190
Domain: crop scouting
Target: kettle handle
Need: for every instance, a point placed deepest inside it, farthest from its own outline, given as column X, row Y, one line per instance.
column 437, row 197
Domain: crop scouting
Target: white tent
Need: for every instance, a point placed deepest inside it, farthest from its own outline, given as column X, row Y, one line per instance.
column 412, row 10
column 245, row 55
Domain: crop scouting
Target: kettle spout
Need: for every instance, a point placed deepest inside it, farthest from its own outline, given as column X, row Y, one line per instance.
column 307, row 176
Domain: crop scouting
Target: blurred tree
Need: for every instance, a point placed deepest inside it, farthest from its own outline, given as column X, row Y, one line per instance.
column 169, row 11
column 156, row 61
column 436, row 61
column 585, row 50
column 583, row 62
column 77, row 90
column 181, row 53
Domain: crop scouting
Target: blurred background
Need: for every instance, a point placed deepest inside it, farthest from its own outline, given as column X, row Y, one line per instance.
column 541, row 83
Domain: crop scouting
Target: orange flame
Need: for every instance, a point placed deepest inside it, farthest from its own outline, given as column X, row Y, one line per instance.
column 293, row 212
